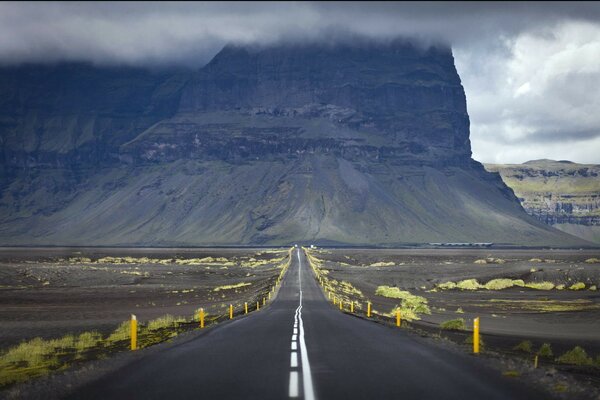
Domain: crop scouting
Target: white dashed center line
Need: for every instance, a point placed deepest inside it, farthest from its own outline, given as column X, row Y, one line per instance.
column 298, row 335
column 293, row 392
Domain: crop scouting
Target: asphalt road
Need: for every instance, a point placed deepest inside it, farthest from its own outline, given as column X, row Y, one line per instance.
column 302, row 347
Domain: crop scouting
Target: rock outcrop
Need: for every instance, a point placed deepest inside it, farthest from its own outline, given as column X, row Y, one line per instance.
column 563, row 194
column 364, row 144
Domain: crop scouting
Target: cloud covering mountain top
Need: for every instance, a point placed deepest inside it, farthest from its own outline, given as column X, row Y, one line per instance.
column 530, row 70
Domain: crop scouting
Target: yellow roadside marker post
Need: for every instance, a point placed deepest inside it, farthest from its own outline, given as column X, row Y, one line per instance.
column 201, row 318
column 133, row 332
column 341, row 305
column 269, row 295
column 264, row 301
column 245, row 308
column 329, row 295
column 398, row 318
column 476, row 335
column 257, row 306
column 369, row 309
column 535, row 361
column 351, row 306
column 231, row 311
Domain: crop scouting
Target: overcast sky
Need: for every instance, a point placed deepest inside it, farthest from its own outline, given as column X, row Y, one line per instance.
column 531, row 71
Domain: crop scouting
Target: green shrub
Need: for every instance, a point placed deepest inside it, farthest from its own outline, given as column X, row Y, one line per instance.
column 524, row 346
column 576, row 356
column 545, row 350
column 459, row 310
column 593, row 288
column 468, row 284
column 577, row 286
column 454, row 325
column 593, row 260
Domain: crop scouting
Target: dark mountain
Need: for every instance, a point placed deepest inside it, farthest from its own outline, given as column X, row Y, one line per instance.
column 363, row 143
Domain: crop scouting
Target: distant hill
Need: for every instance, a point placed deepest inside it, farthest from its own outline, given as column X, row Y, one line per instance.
column 363, row 144
column 563, row 194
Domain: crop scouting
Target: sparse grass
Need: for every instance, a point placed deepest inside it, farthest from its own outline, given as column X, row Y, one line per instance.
column 577, row 286
column 560, row 387
column 469, row 340
column 123, row 332
column 525, row 346
column 538, row 260
column 87, row 340
column 546, row 305
column 576, row 356
column 593, row 260
column 234, row 286
column 545, row 350
column 166, row 321
column 540, row 285
column 457, row 324
column 459, row 310
column 480, row 261
column 383, row 264
column 511, row 373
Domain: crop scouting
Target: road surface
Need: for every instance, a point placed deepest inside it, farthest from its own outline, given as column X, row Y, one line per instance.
column 302, row 347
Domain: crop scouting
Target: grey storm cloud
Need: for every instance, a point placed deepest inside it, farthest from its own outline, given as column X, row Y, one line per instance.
column 529, row 69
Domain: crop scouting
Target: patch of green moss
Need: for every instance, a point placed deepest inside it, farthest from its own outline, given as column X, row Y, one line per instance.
column 446, row 285
column 499, row 284
column 411, row 305
column 540, row 285
column 468, row 284
column 577, row 286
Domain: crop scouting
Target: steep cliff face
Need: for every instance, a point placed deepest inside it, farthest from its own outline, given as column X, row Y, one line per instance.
column 406, row 101
column 351, row 144
column 563, row 194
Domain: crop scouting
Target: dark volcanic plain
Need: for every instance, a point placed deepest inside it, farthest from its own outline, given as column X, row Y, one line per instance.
column 51, row 292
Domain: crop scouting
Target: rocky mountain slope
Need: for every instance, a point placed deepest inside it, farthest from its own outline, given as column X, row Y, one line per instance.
column 364, row 143
column 563, row 194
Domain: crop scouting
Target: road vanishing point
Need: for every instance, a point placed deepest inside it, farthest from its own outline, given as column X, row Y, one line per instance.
column 300, row 346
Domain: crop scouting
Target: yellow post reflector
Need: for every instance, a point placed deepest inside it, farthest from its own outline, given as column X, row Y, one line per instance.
column 133, row 332
column 476, row 335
